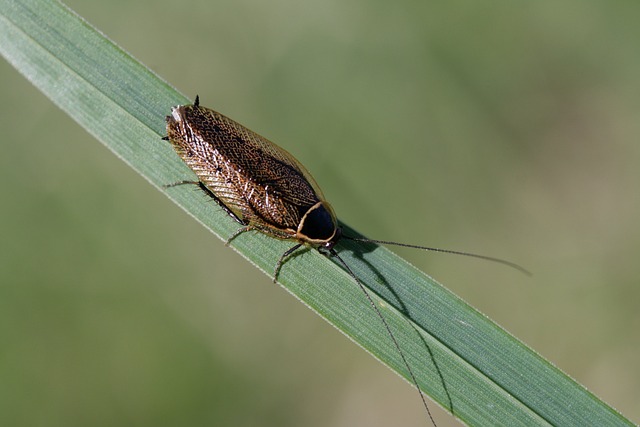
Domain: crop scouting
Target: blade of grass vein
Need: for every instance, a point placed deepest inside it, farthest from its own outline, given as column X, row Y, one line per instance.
column 471, row 392
column 509, row 365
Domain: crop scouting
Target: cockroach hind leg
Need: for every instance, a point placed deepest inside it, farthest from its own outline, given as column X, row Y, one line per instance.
column 185, row 182
column 282, row 259
column 210, row 193
column 220, row 203
column 238, row 232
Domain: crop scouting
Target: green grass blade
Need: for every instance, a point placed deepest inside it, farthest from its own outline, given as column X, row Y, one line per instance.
column 460, row 358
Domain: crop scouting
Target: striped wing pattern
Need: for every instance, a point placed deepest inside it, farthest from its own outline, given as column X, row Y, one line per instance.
column 260, row 182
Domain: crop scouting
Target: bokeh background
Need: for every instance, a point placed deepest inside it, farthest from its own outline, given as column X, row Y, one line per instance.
column 509, row 129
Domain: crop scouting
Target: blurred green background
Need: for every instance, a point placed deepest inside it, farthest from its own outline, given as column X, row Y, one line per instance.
column 505, row 129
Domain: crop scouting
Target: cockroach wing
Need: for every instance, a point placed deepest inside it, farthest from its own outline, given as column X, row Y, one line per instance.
column 260, row 182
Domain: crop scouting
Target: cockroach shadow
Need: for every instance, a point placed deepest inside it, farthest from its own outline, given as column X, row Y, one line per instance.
column 358, row 249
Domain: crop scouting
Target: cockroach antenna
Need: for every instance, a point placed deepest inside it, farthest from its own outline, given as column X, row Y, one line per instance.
column 264, row 188
column 414, row 380
column 444, row 251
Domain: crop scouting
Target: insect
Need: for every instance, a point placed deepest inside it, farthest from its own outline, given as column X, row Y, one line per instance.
column 264, row 188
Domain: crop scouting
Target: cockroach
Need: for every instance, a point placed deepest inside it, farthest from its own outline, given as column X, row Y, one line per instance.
column 264, row 188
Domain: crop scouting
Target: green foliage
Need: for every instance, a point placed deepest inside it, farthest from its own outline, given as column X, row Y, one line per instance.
column 461, row 359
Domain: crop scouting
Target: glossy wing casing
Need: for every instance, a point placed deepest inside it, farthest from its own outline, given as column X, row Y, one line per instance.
column 258, row 181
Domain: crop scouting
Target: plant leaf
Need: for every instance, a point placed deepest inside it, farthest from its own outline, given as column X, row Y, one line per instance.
column 461, row 359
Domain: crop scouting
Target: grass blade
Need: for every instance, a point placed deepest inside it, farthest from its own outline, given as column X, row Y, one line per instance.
column 460, row 358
